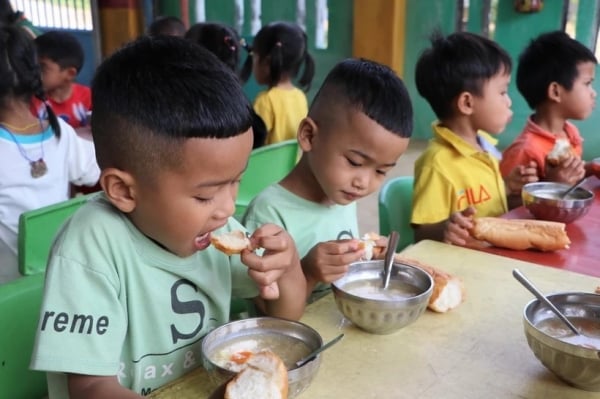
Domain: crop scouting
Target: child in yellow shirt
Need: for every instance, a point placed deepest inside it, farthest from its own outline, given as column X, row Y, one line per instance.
column 278, row 51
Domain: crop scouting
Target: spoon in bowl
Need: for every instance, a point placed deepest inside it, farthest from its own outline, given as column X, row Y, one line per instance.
column 573, row 187
column 389, row 258
column 314, row 353
column 527, row 284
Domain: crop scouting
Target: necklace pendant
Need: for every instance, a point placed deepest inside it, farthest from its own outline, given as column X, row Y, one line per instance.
column 38, row 168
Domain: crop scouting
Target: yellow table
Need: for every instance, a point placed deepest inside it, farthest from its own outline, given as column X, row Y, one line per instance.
column 475, row 351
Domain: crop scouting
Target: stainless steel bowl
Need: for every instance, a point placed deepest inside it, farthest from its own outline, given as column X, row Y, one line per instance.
column 277, row 335
column 358, row 297
column 544, row 201
column 577, row 365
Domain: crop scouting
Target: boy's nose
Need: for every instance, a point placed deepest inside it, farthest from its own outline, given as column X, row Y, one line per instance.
column 225, row 204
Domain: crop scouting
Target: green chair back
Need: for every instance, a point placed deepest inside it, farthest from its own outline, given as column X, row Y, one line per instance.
column 20, row 302
column 267, row 165
column 395, row 207
column 37, row 229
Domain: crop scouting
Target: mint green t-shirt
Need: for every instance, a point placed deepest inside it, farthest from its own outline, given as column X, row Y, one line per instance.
column 116, row 303
column 309, row 223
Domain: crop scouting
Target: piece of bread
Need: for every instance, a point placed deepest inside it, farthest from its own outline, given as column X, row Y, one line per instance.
column 562, row 150
column 448, row 291
column 231, row 243
column 521, row 234
column 368, row 243
column 263, row 377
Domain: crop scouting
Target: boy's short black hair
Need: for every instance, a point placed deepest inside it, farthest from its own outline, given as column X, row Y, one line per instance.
column 551, row 57
column 459, row 62
column 167, row 25
column 60, row 47
column 371, row 88
column 153, row 94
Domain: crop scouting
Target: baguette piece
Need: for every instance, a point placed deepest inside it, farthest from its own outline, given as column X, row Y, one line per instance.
column 231, row 243
column 562, row 150
column 263, row 377
column 521, row 234
column 368, row 243
column 448, row 291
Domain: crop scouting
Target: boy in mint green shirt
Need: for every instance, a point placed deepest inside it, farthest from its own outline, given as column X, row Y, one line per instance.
column 357, row 127
column 133, row 283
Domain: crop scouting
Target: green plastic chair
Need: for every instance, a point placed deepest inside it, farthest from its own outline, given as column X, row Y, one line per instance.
column 395, row 207
column 267, row 165
column 20, row 302
column 37, row 229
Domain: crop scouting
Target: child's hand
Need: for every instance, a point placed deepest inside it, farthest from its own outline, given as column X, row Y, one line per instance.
column 279, row 257
column 568, row 171
column 519, row 176
column 329, row 260
column 458, row 226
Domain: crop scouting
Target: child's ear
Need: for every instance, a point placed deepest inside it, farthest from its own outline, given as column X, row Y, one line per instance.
column 554, row 92
column 307, row 132
column 119, row 188
column 71, row 72
column 464, row 103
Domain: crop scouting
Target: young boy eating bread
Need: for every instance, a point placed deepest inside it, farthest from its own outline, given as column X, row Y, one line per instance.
column 133, row 284
column 357, row 127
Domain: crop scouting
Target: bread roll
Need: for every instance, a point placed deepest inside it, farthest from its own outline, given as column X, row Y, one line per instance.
column 231, row 243
column 448, row 291
column 521, row 234
column 368, row 243
column 562, row 150
column 263, row 377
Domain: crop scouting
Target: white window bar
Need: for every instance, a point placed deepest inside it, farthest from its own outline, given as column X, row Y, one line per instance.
column 255, row 22
column 301, row 14
column 200, row 11
column 322, row 25
column 238, row 16
column 61, row 14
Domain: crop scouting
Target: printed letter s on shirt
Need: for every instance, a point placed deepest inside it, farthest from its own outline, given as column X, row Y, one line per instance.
column 187, row 307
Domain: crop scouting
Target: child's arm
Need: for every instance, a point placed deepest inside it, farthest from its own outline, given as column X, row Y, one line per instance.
column 279, row 263
column 454, row 230
column 92, row 386
column 516, row 179
column 328, row 261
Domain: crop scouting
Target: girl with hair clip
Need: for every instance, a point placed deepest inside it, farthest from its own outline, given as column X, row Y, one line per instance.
column 38, row 159
column 224, row 42
column 278, row 51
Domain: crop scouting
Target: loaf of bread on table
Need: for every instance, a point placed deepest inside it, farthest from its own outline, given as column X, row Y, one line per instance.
column 264, row 376
column 448, row 290
column 562, row 150
column 231, row 243
column 521, row 234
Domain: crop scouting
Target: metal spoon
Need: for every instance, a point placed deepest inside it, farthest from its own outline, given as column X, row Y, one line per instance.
column 527, row 284
column 389, row 257
column 573, row 187
column 320, row 349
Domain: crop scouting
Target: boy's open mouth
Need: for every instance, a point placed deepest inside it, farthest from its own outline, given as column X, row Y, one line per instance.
column 202, row 242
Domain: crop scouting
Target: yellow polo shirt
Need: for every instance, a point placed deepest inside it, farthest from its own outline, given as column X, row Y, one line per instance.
column 281, row 110
column 450, row 175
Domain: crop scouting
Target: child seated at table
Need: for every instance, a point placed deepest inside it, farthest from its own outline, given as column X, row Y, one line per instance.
column 555, row 75
column 357, row 127
column 38, row 158
column 133, row 282
column 167, row 25
column 464, row 78
column 61, row 57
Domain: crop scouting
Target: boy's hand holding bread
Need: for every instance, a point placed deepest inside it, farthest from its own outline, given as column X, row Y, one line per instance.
column 562, row 164
column 278, row 266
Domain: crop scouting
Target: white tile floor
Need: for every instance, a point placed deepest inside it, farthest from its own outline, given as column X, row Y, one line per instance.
column 367, row 207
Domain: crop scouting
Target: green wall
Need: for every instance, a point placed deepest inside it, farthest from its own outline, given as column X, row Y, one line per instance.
column 513, row 32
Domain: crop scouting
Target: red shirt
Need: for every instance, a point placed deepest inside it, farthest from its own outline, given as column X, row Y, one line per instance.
column 73, row 110
column 533, row 144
